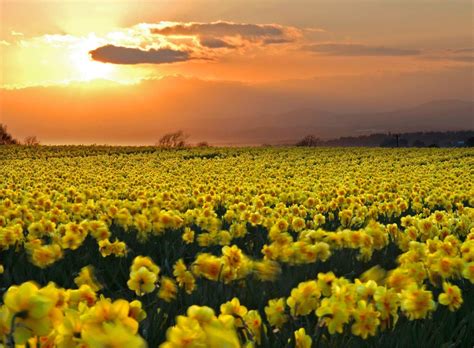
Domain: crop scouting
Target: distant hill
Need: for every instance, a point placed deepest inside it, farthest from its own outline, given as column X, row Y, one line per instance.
column 432, row 116
column 288, row 127
column 222, row 112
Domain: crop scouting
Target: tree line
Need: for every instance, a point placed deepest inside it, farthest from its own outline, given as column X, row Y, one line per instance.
column 7, row 139
column 178, row 139
column 414, row 139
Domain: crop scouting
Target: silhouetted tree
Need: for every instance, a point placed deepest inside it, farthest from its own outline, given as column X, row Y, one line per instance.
column 470, row 142
column 394, row 140
column 418, row 143
column 202, row 144
column 31, row 141
column 397, row 139
column 5, row 137
column 416, row 139
column 309, row 140
column 389, row 142
column 173, row 140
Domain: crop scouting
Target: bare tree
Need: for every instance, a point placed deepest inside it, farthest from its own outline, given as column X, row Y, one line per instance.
column 309, row 140
column 397, row 139
column 31, row 140
column 173, row 140
column 203, row 144
column 5, row 137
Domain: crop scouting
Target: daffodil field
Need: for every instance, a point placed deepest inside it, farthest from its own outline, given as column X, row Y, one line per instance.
column 252, row 247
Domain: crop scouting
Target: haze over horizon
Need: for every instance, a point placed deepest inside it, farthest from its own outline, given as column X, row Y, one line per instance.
column 235, row 72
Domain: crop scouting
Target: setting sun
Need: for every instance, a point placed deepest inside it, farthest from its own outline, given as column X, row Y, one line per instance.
column 87, row 69
column 83, row 67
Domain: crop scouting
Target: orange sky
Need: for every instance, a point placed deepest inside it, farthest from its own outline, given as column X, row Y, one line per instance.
column 332, row 55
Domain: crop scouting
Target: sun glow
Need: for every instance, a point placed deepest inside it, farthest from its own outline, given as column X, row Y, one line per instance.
column 87, row 69
column 84, row 67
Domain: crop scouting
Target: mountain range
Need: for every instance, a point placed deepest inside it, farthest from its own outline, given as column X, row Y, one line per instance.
column 288, row 127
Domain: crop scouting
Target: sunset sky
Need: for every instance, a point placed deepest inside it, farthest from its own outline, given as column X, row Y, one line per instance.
column 126, row 72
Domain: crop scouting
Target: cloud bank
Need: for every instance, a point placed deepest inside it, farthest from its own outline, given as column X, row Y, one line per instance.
column 127, row 55
column 343, row 49
column 464, row 55
column 251, row 32
column 145, row 42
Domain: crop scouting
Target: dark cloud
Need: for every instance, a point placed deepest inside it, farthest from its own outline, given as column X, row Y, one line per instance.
column 271, row 41
column 221, row 28
column 469, row 59
column 463, row 50
column 462, row 55
column 465, row 55
column 212, row 42
column 215, row 35
column 450, row 57
column 230, row 35
column 127, row 55
column 335, row 49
